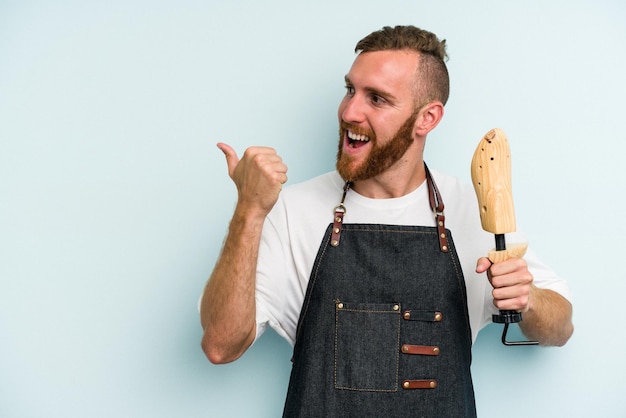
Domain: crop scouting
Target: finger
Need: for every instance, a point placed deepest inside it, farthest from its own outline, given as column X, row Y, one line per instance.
column 231, row 157
column 282, row 179
column 514, row 302
column 279, row 179
column 508, row 266
column 267, row 160
column 482, row 265
column 518, row 280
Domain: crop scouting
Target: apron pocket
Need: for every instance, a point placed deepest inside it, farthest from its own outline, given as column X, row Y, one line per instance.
column 367, row 346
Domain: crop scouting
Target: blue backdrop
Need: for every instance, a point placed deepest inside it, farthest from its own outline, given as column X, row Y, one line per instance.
column 114, row 199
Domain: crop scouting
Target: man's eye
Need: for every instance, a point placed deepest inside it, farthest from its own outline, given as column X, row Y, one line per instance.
column 349, row 90
column 377, row 99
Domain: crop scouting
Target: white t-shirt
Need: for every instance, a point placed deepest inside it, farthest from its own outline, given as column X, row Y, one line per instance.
column 295, row 227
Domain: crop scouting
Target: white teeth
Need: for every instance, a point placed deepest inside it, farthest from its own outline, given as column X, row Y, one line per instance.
column 356, row 137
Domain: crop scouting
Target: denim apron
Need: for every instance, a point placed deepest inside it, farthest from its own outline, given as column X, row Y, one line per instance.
column 384, row 328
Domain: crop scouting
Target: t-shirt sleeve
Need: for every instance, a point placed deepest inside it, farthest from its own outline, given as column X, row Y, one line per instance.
column 277, row 299
column 545, row 277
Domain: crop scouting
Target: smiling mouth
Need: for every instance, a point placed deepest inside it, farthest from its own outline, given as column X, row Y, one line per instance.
column 356, row 140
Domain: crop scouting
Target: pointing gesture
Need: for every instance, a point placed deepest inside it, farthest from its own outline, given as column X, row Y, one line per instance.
column 258, row 175
column 228, row 304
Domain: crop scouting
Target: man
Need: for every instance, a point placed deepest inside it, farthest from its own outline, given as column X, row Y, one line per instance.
column 383, row 317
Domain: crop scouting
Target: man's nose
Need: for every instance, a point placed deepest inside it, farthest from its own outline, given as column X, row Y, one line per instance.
column 353, row 110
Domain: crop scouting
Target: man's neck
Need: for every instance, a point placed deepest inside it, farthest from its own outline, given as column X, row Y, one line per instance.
column 399, row 180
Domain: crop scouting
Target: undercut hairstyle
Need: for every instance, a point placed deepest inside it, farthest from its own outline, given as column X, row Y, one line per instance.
column 432, row 81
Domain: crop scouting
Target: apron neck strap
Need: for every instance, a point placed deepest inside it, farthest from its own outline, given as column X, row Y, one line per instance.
column 436, row 204
column 339, row 211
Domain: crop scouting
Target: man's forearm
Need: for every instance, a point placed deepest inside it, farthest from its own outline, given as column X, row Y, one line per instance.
column 548, row 319
column 228, row 308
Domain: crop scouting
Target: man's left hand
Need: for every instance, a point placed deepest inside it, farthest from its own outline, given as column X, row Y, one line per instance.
column 511, row 282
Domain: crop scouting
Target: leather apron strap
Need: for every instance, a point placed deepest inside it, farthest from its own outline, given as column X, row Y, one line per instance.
column 436, row 204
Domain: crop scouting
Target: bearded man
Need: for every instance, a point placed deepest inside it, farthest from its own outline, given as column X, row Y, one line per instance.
column 358, row 268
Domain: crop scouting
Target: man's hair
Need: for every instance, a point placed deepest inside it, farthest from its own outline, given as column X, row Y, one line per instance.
column 433, row 82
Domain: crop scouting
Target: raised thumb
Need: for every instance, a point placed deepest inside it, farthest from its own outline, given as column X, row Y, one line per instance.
column 231, row 157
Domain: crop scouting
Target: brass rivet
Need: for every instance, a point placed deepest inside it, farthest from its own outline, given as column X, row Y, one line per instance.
column 334, row 243
column 337, row 219
column 433, row 384
column 440, row 223
column 438, row 317
column 406, row 385
column 340, row 305
column 405, row 348
column 443, row 235
column 407, row 315
column 436, row 350
column 336, row 230
column 445, row 248
column 396, row 307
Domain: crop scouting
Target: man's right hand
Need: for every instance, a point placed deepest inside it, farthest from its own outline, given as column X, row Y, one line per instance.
column 259, row 176
column 228, row 308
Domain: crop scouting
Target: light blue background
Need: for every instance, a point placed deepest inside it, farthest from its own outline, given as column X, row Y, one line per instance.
column 114, row 199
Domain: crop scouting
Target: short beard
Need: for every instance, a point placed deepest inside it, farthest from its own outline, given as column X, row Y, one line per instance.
column 380, row 158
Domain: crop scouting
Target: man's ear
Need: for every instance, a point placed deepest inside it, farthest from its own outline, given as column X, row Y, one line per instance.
column 428, row 118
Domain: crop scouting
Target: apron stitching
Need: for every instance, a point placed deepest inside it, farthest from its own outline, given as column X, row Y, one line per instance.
column 312, row 285
column 461, row 281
